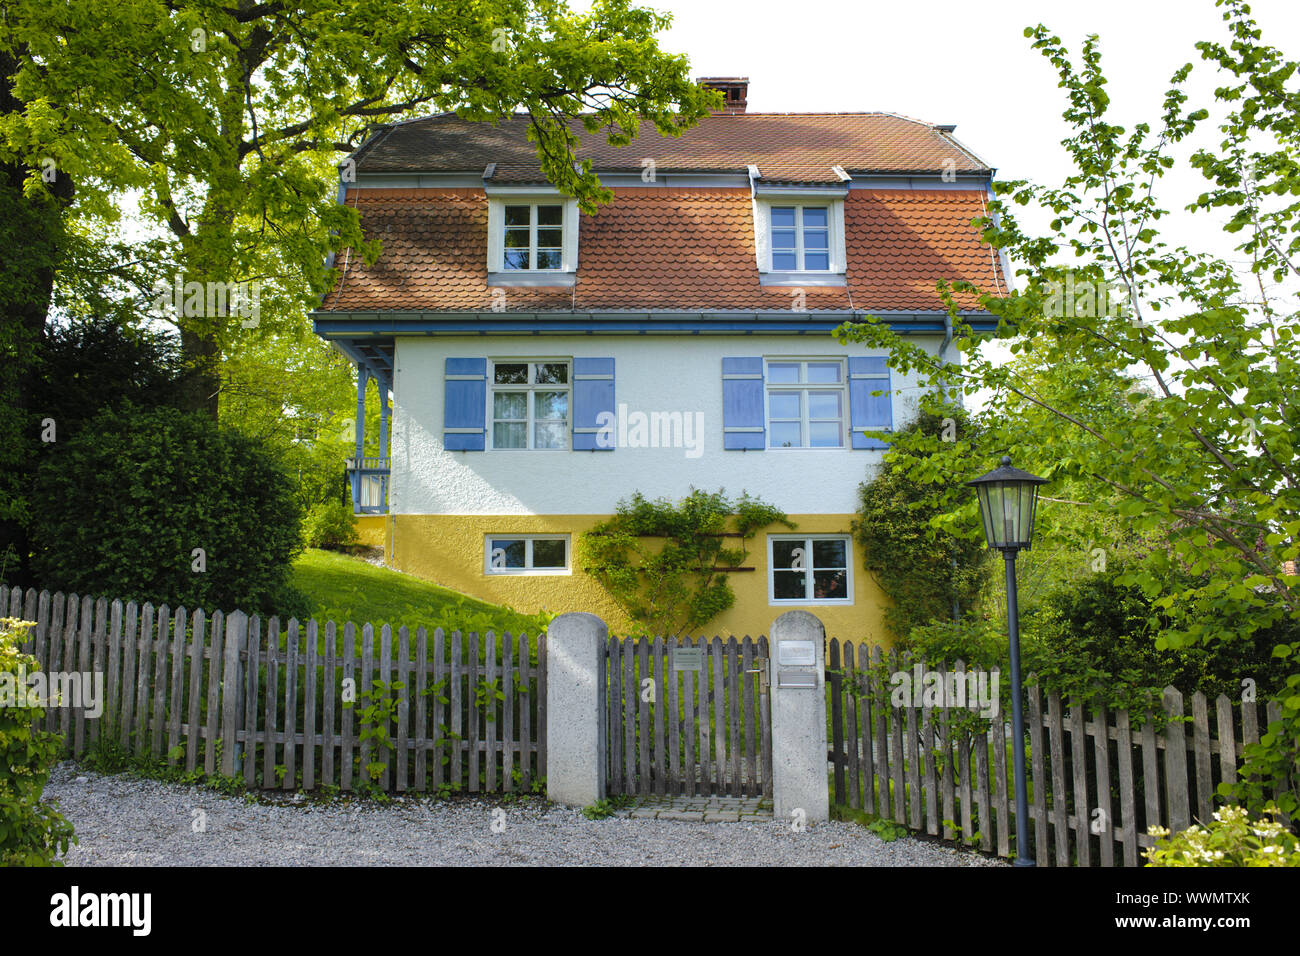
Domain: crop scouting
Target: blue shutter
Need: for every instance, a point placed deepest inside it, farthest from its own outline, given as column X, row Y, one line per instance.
column 742, row 404
column 593, row 396
column 867, row 411
column 465, row 404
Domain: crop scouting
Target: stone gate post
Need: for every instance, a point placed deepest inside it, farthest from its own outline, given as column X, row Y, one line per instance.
column 575, row 709
column 797, row 675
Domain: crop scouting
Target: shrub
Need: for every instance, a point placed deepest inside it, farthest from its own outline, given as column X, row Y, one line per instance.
column 332, row 526
column 95, row 363
column 32, row 833
column 1233, row 839
column 1097, row 641
column 924, row 571
column 166, row 506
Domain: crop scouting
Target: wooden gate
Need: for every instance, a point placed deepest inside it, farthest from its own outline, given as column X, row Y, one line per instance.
column 688, row 717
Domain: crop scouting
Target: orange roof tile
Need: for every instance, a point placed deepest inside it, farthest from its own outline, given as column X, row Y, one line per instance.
column 663, row 248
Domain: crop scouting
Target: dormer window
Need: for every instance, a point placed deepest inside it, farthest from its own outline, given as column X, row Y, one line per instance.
column 534, row 236
column 799, row 235
column 801, row 239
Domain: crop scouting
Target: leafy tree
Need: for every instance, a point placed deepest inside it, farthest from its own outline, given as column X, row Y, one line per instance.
column 297, row 395
column 33, row 236
column 167, row 505
column 87, row 366
column 679, row 582
column 228, row 116
column 1208, row 456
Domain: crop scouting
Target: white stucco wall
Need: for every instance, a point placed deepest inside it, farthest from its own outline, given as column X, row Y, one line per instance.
column 652, row 373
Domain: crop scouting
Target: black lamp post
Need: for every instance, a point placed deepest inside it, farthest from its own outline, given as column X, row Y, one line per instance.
column 1008, row 499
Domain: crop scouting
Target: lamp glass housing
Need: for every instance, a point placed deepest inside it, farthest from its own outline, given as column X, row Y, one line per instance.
column 1008, row 500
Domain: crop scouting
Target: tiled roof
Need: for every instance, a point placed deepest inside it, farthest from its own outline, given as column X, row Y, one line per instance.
column 663, row 248
column 859, row 142
column 803, row 174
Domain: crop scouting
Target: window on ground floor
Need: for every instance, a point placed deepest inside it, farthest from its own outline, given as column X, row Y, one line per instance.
column 527, row 554
column 810, row 569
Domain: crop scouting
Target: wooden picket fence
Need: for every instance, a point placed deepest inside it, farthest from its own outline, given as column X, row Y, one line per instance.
column 266, row 702
column 705, row 730
column 1097, row 780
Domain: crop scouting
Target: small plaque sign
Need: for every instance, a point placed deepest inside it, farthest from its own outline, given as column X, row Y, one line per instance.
column 803, row 680
column 688, row 659
column 796, row 653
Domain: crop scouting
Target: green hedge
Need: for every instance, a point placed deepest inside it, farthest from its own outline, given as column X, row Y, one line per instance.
column 167, row 506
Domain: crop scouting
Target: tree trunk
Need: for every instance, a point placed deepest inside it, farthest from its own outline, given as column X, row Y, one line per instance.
column 202, row 383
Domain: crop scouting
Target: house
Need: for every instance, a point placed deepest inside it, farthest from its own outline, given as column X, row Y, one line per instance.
column 543, row 365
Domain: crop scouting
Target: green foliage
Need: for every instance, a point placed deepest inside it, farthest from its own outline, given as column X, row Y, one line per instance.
column 341, row 589
column 377, row 709
column 31, row 232
column 1205, row 462
column 679, row 583
column 607, row 807
column 1270, row 770
column 1233, row 839
column 332, row 526
column 886, row 829
column 924, row 570
column 96, row 363
column 124, row 505
column 32, row 833
column 232, row 135
column 1098, row 642
column 297, row 394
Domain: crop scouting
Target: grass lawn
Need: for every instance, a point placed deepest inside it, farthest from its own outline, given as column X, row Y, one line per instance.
column 342, row 588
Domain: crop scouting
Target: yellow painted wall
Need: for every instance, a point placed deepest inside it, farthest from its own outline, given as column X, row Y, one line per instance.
column 449, row 550
column 372, row 530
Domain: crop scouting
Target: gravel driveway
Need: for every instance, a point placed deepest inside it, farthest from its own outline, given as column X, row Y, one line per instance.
column 128, row 821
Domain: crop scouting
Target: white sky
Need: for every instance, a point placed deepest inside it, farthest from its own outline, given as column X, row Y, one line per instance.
column 968, row 63
column 957, row 61
column 954, row 61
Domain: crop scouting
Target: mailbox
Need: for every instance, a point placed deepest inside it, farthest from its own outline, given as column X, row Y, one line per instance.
column 796, row 665
column 798, row 717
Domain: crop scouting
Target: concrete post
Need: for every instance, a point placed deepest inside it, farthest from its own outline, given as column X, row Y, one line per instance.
column 575, row 712
column 797, row 674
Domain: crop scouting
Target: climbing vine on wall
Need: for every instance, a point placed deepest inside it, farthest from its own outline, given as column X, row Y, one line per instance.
column 666, row 563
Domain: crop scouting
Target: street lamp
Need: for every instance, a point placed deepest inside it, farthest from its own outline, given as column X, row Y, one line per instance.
column 1008, row 498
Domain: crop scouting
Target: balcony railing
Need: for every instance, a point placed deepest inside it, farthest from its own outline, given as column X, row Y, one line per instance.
column 369, row 480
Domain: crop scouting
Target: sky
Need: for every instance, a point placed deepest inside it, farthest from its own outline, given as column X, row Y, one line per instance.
column 956, row 61
column 953, row 61
column 970, row 64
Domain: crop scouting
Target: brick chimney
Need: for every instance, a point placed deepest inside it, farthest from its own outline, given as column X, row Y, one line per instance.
column 734, row 88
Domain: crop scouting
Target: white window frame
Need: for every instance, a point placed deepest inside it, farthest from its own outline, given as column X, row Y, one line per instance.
column 530, row 388
column 803, row 387
column 528, row 568
column 498, row 199
column 834, row 204
column 800, row 250
column 808, row 540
